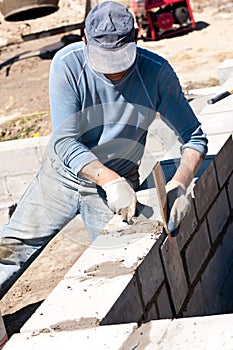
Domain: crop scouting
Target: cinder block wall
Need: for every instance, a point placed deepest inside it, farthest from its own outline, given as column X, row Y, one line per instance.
column 19, row 162
column 191, row 274
column 188, row 275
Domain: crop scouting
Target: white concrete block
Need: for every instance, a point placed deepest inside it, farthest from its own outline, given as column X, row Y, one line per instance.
column 204, row 333
column 225, row 70
column 5, row 205
column 3, row 188
column 204, row 92
column 95, row 281
column 199, row 103
column 217, row 121
column 216, row 142
column 84, row 301
column 128, row 249
column 22, row 156
column 38, row 142
column 4, row 216
column 148, row 336
column 19, row 161
column 104, row 338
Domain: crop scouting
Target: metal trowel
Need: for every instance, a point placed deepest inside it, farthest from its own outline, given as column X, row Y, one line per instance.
column 159, row 180
column 162, row 197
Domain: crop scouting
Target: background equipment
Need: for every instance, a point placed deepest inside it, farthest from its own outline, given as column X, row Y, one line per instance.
column 157, row 19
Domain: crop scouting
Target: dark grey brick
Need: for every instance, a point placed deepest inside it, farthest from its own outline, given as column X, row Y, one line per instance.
column 197, row 251
column 205, row 190
column 223, row 161
column 218, row 215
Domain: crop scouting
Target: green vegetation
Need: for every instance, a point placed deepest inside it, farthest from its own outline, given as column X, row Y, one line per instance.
column 30, row 125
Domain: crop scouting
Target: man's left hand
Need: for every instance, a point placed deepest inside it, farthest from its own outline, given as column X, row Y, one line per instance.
column 178, row 205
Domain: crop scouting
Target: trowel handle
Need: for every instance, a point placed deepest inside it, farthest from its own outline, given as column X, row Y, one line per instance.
column 220, row 96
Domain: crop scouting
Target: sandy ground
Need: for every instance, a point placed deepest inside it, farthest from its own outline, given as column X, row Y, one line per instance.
column 24, row 92
column 24, row 85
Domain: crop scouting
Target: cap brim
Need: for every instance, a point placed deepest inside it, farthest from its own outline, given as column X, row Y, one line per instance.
column 110, row 61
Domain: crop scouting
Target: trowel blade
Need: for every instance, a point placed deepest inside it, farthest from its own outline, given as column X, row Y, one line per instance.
column 161, row 192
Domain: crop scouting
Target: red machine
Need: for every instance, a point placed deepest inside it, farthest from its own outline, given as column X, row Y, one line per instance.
column 157, row 19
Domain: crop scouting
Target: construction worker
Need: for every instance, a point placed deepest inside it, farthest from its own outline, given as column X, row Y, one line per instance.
column 104, row 93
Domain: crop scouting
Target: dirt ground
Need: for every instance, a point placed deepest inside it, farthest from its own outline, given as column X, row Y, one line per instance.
column 24, row 111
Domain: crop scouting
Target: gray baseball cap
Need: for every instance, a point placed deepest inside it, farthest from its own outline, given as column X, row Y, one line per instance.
column 110, row 33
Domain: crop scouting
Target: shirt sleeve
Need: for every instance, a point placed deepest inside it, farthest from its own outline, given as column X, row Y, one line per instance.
column 66, row 113
column 177, row 113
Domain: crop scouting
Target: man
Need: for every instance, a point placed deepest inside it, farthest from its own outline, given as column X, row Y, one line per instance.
column 104, row 94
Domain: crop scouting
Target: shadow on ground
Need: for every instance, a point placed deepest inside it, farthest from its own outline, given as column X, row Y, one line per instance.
column 201, row 25
column 14, row 322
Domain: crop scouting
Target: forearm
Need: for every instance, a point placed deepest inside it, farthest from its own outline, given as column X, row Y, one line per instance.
column 189, row 164
column 97, row 172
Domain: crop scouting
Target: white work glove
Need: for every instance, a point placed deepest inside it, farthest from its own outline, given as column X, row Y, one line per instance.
column 178, row 205
column 121, row 198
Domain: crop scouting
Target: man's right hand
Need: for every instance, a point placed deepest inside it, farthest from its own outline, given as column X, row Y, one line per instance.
column 121, row 198
column 120, row 195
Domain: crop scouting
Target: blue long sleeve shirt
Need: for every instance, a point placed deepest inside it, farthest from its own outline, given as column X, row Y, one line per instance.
column 97, row 118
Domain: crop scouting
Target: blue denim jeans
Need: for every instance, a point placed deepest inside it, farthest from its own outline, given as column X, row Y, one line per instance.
column 52, row 200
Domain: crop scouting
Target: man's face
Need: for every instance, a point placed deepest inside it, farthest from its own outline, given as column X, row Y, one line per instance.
column 115, row 76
